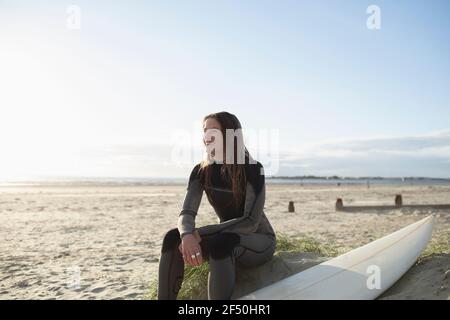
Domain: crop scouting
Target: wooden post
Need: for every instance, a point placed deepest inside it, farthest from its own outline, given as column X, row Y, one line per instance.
column 398, row 200
column 339, row 204
column 291, row 206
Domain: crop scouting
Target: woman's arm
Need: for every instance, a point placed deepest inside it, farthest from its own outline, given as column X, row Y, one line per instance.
column 253, row 209
column 192, row 199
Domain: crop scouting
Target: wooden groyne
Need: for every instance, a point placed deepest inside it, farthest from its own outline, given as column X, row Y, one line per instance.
column 398, row 203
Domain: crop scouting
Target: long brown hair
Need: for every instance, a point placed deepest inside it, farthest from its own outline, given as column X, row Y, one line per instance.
column 233, row 172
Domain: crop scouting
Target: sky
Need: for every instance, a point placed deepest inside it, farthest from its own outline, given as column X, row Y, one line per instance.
column 118, row 89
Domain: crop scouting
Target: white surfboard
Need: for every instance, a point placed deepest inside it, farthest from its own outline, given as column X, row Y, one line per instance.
column 363, row 273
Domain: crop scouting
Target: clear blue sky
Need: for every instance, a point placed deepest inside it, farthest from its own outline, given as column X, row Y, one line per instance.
column 104, row 100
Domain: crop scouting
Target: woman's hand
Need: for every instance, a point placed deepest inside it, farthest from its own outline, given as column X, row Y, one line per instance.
column 191, row 250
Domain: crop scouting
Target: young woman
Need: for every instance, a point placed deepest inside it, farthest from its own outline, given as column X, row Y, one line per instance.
column 235, row 187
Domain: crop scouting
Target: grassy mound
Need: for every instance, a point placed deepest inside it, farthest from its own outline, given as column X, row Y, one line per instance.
column 196, row 278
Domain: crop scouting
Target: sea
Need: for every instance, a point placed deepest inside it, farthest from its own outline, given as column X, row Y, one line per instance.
column 114, row 181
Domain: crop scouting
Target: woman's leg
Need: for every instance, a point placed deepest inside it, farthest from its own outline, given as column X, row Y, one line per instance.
column 221, row 254
column 222, row 251
column 227, row 248
column 171, row 267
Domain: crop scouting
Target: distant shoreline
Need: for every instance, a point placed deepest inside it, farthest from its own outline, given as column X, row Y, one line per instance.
column 354, row 178
column 301, row 180
column 336, row 180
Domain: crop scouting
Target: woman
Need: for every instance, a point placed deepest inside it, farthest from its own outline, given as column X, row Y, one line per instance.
column 235, row 187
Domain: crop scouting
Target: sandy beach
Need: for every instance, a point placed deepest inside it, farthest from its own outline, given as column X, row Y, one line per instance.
column 74, row 241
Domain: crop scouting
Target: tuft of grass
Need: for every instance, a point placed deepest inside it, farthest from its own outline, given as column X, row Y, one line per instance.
column 196, row 278
column 303, row 244
column 153, row 291
column 440, row 246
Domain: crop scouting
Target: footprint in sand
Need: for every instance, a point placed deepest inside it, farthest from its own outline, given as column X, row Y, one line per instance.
column 98, row 290
column 23, row 284
column 123, row 288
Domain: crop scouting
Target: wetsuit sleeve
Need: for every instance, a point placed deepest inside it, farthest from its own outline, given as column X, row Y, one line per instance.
column 253, row 210
column 191, row 203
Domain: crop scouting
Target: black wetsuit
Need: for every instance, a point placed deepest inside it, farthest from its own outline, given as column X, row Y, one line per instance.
column 243, row 236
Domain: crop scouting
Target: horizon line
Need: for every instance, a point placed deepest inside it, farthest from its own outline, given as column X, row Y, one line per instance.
column 283, row 177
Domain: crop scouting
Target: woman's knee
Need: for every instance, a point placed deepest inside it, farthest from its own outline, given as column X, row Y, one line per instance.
column 222, row 245
column 252, row 258
column 171, row 240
